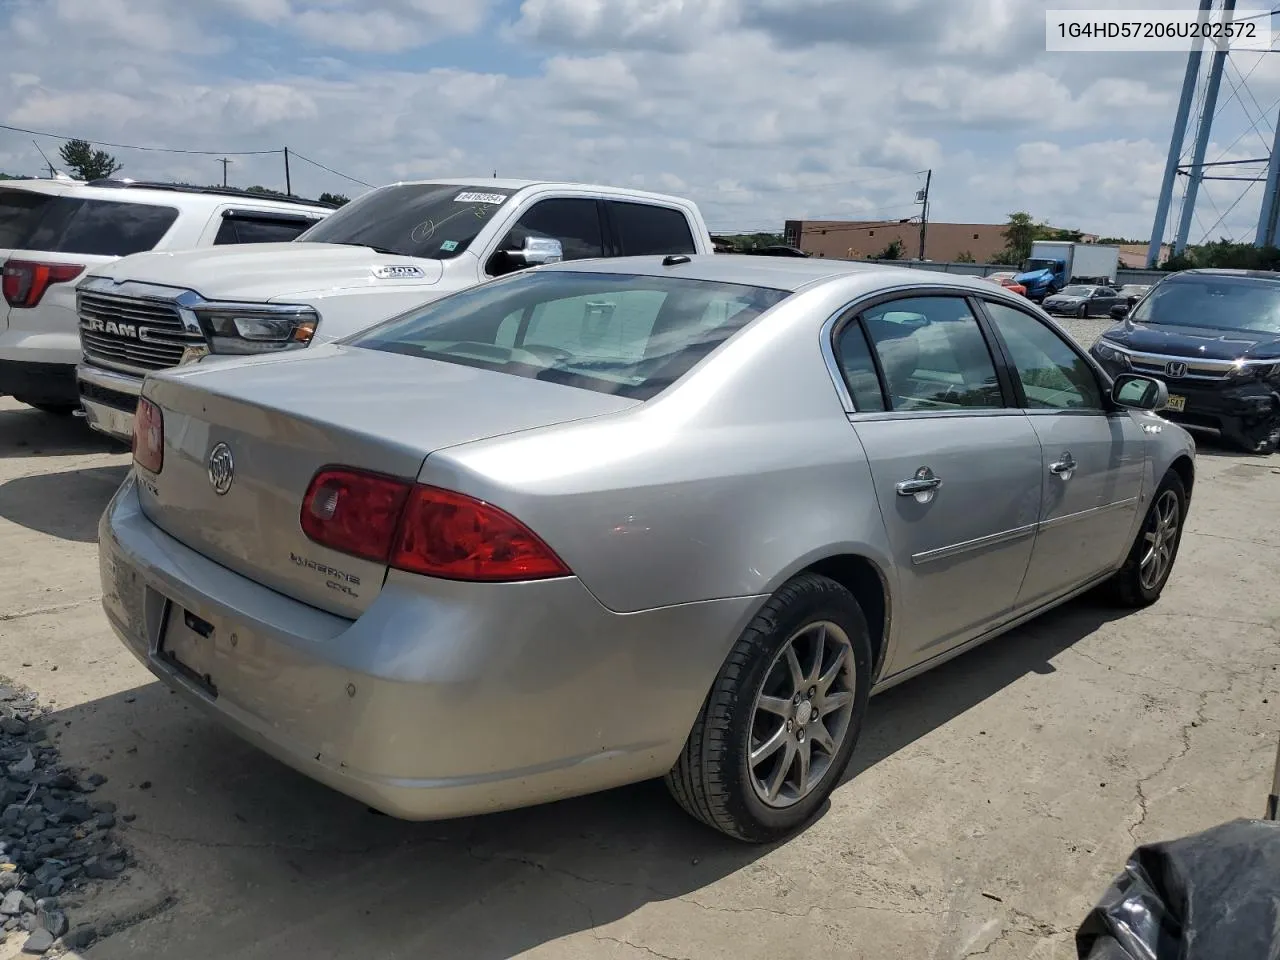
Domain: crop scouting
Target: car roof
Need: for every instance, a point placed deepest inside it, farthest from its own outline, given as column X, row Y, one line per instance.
column 1226, row 272
column 479, row 183
column 779, row 273
column 160, row 193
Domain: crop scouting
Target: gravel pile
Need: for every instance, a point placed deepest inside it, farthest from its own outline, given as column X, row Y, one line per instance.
column 55, row 838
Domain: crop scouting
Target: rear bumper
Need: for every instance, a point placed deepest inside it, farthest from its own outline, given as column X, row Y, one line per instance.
column 109, row 400
column 444, row 699
column 51, row 383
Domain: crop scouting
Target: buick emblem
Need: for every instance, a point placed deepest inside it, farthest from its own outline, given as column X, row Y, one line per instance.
column 222, row 469
column 1175, row 369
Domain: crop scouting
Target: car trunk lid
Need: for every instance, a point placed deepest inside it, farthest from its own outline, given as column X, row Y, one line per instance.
column 283, row 418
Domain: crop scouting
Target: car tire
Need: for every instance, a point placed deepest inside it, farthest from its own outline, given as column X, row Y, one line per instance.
column 715, row 779
column 57, row 409
column 1134, row 585
column 1083, row 312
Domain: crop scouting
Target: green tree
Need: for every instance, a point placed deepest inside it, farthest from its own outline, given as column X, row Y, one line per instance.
column 1225, row 253
column 964, row 256
column 894, row 251
column 264, row 191
column 87, row 163
column 337, row 199
column 1020, row 232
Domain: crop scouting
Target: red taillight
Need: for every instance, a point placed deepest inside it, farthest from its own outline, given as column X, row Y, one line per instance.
column 446, row 534
column 423, row 530
column 148, row 436
column 354, row 512
column 25, row 281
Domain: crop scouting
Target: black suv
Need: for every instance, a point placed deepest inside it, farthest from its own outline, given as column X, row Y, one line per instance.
column 1214, row 337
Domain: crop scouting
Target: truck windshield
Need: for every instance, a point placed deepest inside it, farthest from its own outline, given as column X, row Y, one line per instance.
column 430, row 220
column 1216, row 302
column 1032, row 265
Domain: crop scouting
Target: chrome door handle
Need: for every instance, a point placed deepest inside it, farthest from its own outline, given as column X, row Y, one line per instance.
column 921, row 486
column 1064, row 467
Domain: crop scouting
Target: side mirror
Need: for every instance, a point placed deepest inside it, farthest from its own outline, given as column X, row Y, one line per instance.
column 1139, row 393
column 535, row 252
column 1120, row 311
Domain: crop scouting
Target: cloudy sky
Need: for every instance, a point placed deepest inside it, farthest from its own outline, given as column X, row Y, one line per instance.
column 760, row 110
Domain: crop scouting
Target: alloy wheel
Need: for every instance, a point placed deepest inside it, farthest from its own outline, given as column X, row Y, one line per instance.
column 802, row 714
column 1161, row 536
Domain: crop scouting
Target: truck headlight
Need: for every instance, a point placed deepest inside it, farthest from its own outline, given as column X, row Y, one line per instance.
column 258, row 327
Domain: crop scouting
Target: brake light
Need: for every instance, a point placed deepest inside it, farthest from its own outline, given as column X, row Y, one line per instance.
column 354, row 512
column 424, row 530
column 148, row 436
column 24, row 281
column 446, row 534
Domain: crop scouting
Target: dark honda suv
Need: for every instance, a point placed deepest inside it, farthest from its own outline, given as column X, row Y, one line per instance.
column 1214, row 337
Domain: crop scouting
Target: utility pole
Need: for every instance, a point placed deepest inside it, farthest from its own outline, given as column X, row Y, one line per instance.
column 224, row 161
column 922, row 197
column 1270, row 212
column 288, row 184
column 1195, row 173
column 1175, row 144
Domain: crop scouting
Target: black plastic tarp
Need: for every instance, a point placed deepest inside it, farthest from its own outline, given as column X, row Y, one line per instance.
column 1212, row 896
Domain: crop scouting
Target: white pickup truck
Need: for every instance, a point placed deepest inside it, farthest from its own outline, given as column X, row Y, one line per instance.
column 386, row 252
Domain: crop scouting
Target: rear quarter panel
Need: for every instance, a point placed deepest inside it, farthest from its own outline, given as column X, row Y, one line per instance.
column 724, row 486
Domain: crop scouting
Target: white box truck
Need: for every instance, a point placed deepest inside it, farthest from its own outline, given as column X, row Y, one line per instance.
column 1055, row 263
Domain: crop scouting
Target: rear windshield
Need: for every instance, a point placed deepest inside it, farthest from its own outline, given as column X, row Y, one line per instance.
column 97, row 227
column 19, row 210
column 613, row 333
column 1216, row 302
column 433, row 221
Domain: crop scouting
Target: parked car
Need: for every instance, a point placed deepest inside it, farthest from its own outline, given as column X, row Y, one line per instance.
column 606, row 521
column 1133, row 292
column 1007, row 281
column 52, row 231
column 388, row 250
column 1083, row 301
column 1214, row 337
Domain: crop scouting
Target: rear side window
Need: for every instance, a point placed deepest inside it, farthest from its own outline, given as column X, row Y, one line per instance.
column 644, row 229
column 612, row 333
column 259, row 230
column 19, row 212
column 100, row 227
column 933, row 354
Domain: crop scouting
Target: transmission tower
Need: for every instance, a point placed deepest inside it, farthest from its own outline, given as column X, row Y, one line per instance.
column 1191, row 164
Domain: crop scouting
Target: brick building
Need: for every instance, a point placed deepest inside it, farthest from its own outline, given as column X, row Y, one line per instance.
column 863, row 239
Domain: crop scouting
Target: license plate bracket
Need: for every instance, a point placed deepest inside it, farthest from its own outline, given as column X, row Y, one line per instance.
column 1177, row 403
column 187, row 645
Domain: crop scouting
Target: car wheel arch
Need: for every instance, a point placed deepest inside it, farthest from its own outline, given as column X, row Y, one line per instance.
column 1186, row 471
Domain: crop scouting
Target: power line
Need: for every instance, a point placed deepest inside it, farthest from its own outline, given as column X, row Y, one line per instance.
column 134, row 146
column 330, row 169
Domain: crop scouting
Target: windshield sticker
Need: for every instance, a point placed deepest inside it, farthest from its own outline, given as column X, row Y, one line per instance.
column 449, row 246
column 495, row 198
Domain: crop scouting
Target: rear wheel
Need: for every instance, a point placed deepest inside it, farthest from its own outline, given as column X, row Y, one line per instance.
column 1141, row 580
column 57, row 409
column 780, row 723
column 1083, row 311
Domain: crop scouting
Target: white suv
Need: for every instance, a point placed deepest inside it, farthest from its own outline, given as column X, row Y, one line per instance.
column 387, row 251
column 53, row 231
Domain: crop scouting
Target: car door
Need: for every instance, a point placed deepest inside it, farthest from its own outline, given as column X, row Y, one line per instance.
column 955, row 466
column 1094, row 457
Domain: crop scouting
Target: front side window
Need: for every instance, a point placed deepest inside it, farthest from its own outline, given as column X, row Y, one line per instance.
column 933, row 354
column 575, row 222
column 100, row 227
column 1053, row 375
column 429, row 220
column 613, row 333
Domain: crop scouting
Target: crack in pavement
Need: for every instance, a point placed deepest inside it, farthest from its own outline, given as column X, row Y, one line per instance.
column 637, row 946
column 41, row 611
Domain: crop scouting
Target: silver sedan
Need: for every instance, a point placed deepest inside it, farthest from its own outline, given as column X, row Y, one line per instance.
column 608, row 521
